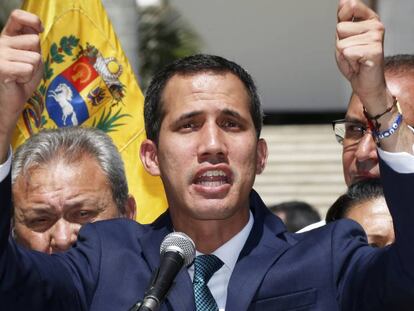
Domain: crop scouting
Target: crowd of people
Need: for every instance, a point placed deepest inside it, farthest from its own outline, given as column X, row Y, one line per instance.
column 68, row 239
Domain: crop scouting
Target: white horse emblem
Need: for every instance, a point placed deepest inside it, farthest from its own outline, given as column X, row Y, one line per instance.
column 63, row 96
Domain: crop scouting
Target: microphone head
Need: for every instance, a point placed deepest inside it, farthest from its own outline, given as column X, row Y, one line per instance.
column 181, row 243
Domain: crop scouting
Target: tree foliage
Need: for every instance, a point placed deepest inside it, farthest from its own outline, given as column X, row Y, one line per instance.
column 164, row 36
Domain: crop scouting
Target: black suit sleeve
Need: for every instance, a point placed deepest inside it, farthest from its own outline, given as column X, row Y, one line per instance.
column 399, row 194
column 380, row 279
column 5, row 211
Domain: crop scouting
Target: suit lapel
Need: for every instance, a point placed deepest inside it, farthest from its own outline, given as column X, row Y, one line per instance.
column 180, row 296
column 151, row 240
column 261, row 250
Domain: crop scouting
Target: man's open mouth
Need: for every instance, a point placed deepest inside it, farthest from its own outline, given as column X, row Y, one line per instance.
column 212, row 178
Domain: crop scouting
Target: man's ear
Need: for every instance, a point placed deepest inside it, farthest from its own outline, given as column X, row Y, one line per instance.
column 130, row 208
column 149, row 157
column 262, row 154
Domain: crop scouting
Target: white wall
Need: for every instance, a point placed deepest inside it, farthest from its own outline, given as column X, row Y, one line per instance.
column 397, row 16
column 287, row 45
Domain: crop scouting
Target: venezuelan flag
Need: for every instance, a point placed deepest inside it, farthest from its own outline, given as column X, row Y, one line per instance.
column 89, row 82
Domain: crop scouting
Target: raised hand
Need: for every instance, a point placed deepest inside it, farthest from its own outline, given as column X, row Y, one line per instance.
column 359, row 51
column 21, row 70
column 360, row 58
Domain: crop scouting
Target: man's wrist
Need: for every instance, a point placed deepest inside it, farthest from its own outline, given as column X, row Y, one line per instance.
column 401, row 139
column 4, row 154
column 5, row 167
column 4, row 150
column 5, row 142
column 376, row 105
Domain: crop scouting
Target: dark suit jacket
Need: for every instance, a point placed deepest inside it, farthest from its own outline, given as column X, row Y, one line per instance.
column 112, row 262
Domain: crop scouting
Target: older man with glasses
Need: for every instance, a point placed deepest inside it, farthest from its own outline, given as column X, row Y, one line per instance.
column 359, row 154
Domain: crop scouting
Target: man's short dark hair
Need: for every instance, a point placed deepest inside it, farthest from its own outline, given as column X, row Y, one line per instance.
column 359, row 192
column 399, row 64
column 297, row 214
column 191, row 65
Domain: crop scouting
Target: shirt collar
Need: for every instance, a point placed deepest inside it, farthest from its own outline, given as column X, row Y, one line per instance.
column 229, row 252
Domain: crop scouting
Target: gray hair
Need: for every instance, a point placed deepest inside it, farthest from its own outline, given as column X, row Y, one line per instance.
column 70, row 144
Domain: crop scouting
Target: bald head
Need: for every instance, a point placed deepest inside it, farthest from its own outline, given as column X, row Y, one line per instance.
column 402, row 87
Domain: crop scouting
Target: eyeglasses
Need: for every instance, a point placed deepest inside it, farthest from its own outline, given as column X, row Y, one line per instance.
column 349, row 131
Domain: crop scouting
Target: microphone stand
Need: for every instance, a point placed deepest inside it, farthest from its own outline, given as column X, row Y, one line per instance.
column 149, row 303
column 176, row 249
column 136, row 306
column 140, row 307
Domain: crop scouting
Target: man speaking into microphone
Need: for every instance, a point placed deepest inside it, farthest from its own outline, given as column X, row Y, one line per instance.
column 203, row 120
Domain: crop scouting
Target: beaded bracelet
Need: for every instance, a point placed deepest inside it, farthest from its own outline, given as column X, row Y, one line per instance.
column 373, row 120
column 387, row 133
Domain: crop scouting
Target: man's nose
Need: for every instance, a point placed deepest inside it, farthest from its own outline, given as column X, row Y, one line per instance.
column 366, row 149
column 212, row 143
column 63, row 235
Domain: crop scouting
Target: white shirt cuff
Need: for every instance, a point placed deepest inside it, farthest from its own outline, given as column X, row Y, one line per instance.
column 401, row 162
column 6, row 166
column 310, row 227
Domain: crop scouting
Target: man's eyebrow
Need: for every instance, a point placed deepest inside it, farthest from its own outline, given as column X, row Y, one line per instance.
column 232, row 113
column 39, row 210
column 188, row 115
column 354, row 120
column 76, row 202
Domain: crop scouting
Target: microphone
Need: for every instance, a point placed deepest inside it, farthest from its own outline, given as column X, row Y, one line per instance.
column 176, row 250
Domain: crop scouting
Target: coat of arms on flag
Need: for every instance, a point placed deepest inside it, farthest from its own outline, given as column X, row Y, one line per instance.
column 72, row 96
column 88, row 82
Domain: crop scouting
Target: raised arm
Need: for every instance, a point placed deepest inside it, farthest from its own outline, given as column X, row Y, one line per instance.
column 360, row 58
column 382, row 279
column 20, row 70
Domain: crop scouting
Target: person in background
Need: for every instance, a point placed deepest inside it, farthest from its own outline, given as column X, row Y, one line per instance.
column 364, row 202
column 62, row 179
column 296, row 214
column 359, row 153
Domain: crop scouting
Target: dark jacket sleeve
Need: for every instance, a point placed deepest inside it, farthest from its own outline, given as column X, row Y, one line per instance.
column 5, row 211
column 399, row 194
column 36, row 281
column 380, row 279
